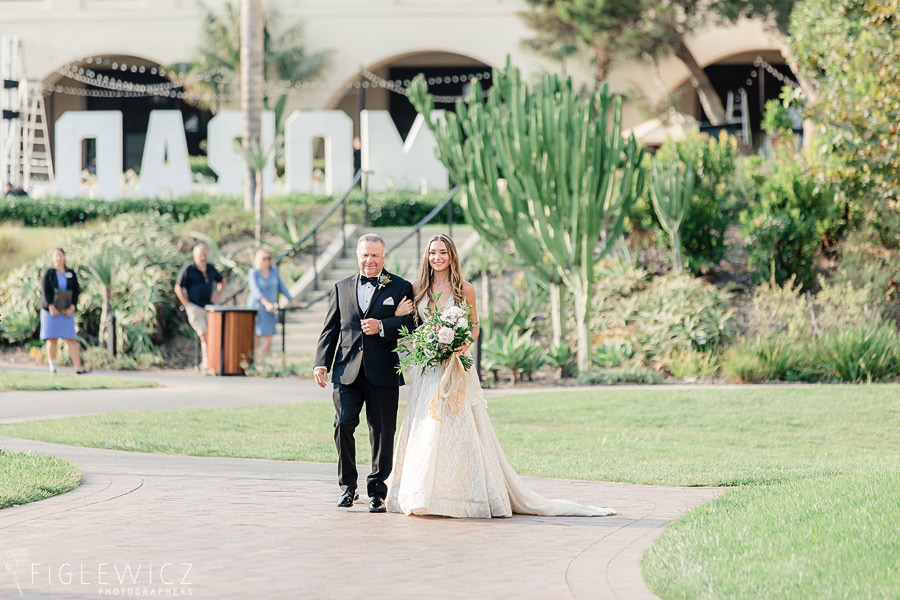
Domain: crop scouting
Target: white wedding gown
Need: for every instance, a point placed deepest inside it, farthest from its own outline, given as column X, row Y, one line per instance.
column 455, row 466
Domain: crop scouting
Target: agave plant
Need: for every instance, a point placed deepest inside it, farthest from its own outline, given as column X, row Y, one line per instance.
column 515, row 351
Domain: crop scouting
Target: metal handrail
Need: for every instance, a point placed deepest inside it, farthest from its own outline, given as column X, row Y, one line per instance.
column 310, row 233
column 416, row 231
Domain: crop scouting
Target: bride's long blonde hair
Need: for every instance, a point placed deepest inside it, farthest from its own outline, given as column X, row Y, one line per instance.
column 426, row 273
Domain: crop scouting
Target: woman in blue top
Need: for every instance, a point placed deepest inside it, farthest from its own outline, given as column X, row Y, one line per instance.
column 265, row 283
column 58, row 310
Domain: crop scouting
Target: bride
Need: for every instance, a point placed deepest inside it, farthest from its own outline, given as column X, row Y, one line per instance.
column 451, row 464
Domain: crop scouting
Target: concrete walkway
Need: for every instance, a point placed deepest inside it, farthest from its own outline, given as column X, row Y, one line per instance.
column 147, row 525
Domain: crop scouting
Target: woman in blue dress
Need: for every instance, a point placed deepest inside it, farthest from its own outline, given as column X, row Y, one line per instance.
column 265, row 284
column 58, row 310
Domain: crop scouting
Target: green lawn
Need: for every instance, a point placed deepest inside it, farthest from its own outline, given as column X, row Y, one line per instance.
column 29, row 380
column 814, row 517
column 29, row 477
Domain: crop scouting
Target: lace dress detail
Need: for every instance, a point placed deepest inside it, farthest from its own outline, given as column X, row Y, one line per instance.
column 455, row 466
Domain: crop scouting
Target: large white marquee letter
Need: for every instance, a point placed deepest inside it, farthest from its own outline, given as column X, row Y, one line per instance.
column 301, row 129
column 165, row 165
column 394, row 164
column 226, row 160
column 73, row 127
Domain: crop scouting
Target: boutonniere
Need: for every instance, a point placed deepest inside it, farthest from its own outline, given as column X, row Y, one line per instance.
column 383, row 280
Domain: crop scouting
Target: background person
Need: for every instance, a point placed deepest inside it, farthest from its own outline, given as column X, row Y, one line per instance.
column 265, row 284
column 58, row 310
column 195, row 289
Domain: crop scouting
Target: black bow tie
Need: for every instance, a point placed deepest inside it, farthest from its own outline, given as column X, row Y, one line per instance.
column 364, row 280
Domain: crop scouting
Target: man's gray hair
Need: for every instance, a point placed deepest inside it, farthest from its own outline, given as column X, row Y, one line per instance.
column 198, row 247
column 372, row 237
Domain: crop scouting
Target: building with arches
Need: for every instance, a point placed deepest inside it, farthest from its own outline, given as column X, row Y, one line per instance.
column 377, row 46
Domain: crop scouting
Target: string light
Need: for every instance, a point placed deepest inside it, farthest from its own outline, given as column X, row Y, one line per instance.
column 761, row 62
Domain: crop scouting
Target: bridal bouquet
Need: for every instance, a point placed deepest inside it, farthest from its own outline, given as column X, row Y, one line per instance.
column 441, row 334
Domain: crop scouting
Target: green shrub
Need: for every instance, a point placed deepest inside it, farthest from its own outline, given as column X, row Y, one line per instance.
column 865, row 353
column 625, row 374
column 67, row 212
column 612, row 353
column 789, row 224
column 690, row 364
column 514, row 351
column 784, row 309
column 775, row 358
column 671, row 314
column 402, row 209
column 713, row 204
column 777, row 119
column 562, row 358
column 142, row 297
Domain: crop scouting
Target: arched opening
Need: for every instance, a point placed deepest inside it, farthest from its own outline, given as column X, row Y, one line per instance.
column 133, row 85
column 759, row 73
column 378, row 86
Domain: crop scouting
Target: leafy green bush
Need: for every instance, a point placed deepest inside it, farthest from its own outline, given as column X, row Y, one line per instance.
column 66, row 212
column 141, row 292
column 670, row 314
column 713, row 205
column 562, row 358
column 777, row 119
column 625, row 374
column 690, row 364
column 865, row 353
column 789, row 224
column 402, row 209
column 612, row 353
column 775, row 358
column 784, row 309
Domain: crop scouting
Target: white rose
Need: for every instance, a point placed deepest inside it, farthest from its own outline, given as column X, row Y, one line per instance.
column 445, row 335
column 451, row 313
column 462, row 323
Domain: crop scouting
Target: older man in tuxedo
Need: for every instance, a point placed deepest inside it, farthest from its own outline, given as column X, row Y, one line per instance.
column 357, row 345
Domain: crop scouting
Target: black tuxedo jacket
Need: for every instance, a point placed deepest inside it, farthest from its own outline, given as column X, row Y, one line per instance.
column 342, row 333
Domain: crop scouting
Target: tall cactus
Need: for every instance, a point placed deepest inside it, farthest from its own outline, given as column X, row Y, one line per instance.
column 571, row 175
column 671, row 189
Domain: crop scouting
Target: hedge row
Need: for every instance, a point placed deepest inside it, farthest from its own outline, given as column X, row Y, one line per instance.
column 67, row 212
column 386, row 209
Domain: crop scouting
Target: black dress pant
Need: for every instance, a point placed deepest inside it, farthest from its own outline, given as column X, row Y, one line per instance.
column 381, row 414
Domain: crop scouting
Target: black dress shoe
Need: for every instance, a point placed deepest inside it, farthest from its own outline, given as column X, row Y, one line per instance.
column 347, row 498
column 376, row 505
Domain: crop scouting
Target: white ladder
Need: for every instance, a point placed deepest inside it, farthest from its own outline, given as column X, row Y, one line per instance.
column 743, row 113
column 36, row 159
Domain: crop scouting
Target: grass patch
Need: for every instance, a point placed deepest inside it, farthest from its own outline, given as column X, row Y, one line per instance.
column 660, row 436
column 30, row 477
column 27, row 380
column 815, row 517
column 19, row 245
column 824, row 537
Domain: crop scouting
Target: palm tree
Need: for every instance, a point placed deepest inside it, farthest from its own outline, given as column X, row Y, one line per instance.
column 252, row 28
column 103, row 269
column 257, row 157
column 215, row 72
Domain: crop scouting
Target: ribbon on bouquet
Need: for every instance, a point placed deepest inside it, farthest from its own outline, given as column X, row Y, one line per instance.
column 451, row 389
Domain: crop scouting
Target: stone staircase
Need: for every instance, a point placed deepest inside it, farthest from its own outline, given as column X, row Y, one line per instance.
column 302, row 327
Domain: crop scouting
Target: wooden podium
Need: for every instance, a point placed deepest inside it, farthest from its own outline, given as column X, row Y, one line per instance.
column 229, row 339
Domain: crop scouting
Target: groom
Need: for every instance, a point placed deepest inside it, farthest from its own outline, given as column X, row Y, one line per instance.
column 361, row 327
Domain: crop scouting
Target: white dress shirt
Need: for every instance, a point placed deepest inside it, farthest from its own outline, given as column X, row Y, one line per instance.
column 364, row 293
